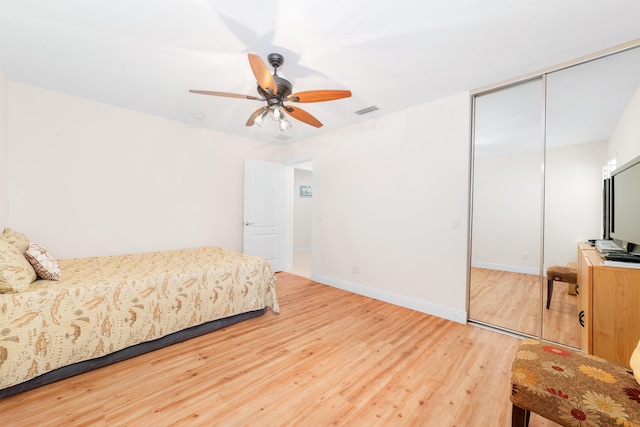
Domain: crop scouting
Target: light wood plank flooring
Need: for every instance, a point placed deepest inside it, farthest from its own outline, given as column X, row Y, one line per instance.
column 329, row 358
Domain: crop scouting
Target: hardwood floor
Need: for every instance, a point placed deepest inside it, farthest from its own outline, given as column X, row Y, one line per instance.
column 329, row 358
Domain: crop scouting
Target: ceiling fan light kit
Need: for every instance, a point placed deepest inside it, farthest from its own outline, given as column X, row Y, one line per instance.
column 275, row 90
column 259, row 119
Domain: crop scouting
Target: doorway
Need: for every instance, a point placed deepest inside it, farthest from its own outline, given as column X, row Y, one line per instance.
column 302, row 219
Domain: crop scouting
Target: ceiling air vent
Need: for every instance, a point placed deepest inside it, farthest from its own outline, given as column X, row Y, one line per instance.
column 367, row 110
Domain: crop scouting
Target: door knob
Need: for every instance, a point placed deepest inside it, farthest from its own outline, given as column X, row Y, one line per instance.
column 248, row 223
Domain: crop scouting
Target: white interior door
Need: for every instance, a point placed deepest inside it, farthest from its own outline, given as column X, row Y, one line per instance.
column 264, row 198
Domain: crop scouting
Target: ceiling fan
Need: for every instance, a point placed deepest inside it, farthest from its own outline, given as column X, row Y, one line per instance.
column 276, row 91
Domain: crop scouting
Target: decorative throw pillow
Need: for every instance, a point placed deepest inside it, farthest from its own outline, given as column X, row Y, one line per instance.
column 16, row 238
column 635, row 362
column 16, row 274
column 43, row 263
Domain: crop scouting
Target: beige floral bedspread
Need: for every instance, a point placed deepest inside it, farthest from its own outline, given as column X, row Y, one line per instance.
column 105, row 304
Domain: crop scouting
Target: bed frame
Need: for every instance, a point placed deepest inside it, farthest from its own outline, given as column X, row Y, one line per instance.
column 129, row 352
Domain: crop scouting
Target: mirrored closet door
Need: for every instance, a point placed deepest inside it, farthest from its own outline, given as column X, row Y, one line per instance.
column 540, row 148
column 507, row 196
column 585, row 114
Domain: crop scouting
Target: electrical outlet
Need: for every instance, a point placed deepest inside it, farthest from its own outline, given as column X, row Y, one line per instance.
column 356, row 269
column 525, row 256
column 456, row 224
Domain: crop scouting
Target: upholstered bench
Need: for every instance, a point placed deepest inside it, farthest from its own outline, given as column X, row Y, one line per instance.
column 572, row 388
column 560, row 274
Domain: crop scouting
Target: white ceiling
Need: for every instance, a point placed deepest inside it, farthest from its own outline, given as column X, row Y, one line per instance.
column 144, row 55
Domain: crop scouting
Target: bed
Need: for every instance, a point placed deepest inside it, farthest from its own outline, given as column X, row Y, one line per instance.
column 106, row 309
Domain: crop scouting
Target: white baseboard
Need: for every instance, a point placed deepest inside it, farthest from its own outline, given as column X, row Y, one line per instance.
column 510, row 268
column 391, row 298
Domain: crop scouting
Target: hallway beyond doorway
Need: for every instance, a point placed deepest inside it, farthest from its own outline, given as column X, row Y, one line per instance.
column 301, row 264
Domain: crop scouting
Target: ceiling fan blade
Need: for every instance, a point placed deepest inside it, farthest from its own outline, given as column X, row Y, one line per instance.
column 252, row 117
column 227, row 94
column 319, row 95
column 303, row 116
column 262, row 74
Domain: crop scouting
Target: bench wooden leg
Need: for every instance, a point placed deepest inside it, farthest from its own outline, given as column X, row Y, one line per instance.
column 549, row 291
column 519, row 417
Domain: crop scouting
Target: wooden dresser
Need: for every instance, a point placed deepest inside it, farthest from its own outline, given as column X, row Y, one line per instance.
column 608, row 307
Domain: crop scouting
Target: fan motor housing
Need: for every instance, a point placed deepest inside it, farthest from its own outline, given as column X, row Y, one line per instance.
column 284, row 88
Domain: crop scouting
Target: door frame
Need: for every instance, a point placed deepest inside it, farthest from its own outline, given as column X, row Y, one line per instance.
column 290, row 194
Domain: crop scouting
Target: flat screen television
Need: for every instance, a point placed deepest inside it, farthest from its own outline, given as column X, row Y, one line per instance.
column 624, row 223
column 606, row 208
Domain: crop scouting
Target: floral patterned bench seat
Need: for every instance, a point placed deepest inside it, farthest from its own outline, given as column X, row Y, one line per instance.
column 572, row 388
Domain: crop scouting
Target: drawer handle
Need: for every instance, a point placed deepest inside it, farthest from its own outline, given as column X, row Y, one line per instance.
column 577, row 286
column 581, row 318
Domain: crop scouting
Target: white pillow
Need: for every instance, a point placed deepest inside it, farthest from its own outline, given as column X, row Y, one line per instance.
column 635, row 362
column 43, row 263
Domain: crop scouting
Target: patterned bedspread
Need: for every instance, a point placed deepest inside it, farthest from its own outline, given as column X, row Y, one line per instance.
column 105, row 304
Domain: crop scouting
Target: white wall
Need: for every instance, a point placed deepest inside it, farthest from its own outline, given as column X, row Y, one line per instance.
column 89, row 179
column 4, row 151
column 302, row 211
column 624, row 144
column 388, row 192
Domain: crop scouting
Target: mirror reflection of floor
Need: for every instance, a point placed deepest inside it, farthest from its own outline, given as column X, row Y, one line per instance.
column 512, row 301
